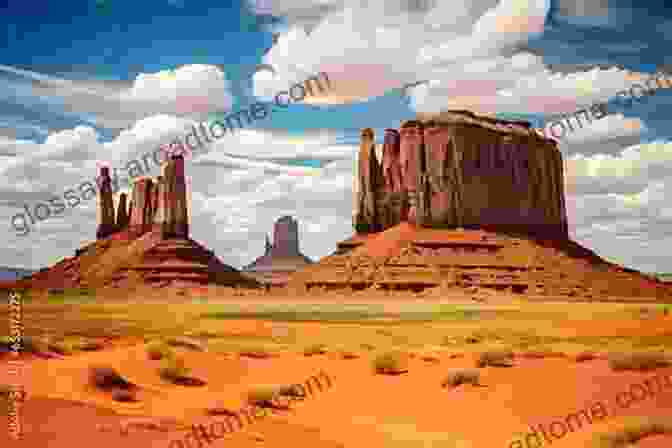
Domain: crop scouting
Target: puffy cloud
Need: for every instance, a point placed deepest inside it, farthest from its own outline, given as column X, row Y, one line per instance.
column 189, row 90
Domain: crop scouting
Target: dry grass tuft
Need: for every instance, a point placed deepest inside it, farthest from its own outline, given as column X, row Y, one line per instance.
column 638, row 361
column 264, row 396
column 390, row 363
column 315, row 349
column 107, row 378
column 495, row 358
column 159, row 350
column 462, row 376
column 631, row 430
column 585, row 356
column 174, row 370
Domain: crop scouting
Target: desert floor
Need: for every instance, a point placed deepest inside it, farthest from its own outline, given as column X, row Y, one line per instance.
column 432, row 335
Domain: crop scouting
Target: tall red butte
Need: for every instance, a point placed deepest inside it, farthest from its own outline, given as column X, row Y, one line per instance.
column 460, row 200
column 148, row 244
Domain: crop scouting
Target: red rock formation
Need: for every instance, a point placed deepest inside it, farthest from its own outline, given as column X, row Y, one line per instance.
column 286, row 237
column 141, row 209
column 369, row 180
column 393, row 188
column 142, row 253
column 122, row 213
column 106, row 224
column 282, row 258
column 411, row 158
column 460, row 170
column 175, row 198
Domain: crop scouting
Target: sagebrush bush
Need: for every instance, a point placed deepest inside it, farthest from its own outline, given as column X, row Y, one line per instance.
column 159, row 350
column 173, row 369
column 263, row 396
column 106, row 377
column 315, row 349
column 631, row 430
column 638, row 361
column 585, row 356
column 462, row 376
column 495, row 358
column 390, row 363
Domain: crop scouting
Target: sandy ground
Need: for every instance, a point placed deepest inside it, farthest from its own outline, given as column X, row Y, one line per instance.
column 361, row 409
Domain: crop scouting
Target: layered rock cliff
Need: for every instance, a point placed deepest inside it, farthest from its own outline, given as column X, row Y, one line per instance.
column 459, row 170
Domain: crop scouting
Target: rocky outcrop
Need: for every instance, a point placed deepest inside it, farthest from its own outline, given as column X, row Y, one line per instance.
column 458, row 170
column 122, row 213
column 282, row 258
column 408, row 257
column 106, row 224
column 369, row 179
column 150, row 247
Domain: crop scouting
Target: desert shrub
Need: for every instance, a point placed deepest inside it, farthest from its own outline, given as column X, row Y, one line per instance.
column 315, row 349
column 27, row 344
column 292, row 390
column 630, row 431
column 390, row 363
column 346, row 354
column 263, row 396
column 123, row 395
column 585, row 356
column 106, row 377
column 495, row 358
column 86, row 345
column 173, row 369
column 638, row 361
column 257, row 353
column 159, row 350
column 462, row 376
column 185, row 343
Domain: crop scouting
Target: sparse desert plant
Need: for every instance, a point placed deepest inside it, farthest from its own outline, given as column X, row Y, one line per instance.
column 263, row 396
column 315, row 349
column 630, row 431
column 123, row 395
column 541, row 354
column 346, row 354
column 106, row 378
column 185, row 343
column 462, row 376
column 159, row 350
column 174, row 370
column 638, row 361
column 27, row 344
column 585, row 356
column 257, row 353
column 292, row 390
column 390, row 363
column 495, row 358
column 87, row 345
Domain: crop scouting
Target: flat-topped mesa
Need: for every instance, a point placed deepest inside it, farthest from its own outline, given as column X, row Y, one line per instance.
column 106, row 224
column 456, row 169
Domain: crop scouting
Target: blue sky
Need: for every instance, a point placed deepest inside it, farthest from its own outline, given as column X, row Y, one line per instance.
column 71, row 95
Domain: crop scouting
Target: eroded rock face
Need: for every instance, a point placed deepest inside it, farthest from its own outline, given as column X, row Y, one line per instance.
column 141, row 210
column 411, row 157
column 286, row 237
column 461, row 170
column 369, row 179
column 106, row 224
column 176, row 216
column 122, row 212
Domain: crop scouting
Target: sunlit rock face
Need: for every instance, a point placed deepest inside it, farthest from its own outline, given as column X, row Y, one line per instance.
column 456, row 169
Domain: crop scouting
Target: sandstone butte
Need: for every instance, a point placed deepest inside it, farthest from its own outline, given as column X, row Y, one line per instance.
column 280, row 259
column 144, row 243
column 454, row 201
